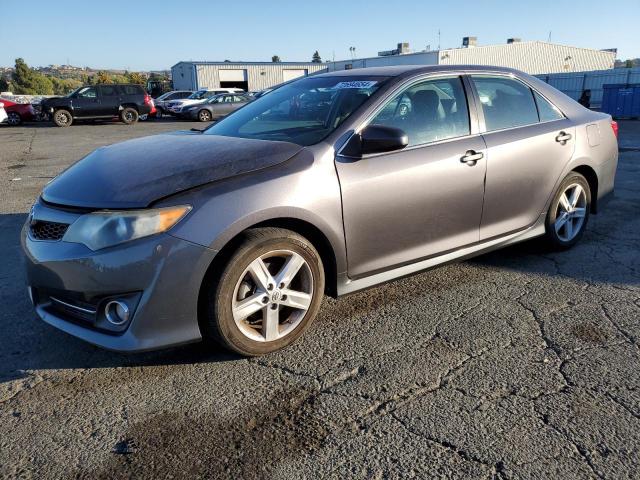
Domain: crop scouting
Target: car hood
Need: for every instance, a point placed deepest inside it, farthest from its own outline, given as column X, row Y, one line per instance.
column 135, row 173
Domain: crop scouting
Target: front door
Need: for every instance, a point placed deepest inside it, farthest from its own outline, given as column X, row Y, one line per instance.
column 86, row 103
column 404, row 206
column 529, row 142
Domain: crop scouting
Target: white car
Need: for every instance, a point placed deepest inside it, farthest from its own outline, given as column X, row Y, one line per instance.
column 3, row 114
column 201, row 95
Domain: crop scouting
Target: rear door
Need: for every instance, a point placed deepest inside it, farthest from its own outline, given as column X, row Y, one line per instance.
column 529, row 141
column 109, row 100
column 424, row 200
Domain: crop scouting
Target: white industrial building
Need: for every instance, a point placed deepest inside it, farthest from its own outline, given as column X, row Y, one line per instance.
column 249, row 76
column 533, row 57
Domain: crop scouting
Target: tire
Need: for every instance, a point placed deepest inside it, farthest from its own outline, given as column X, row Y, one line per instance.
column 129, row 115
column 204, row 115
column 272, row 249
column 158, row 113
column 62, row 118
column 568, row 213
column 14, row 119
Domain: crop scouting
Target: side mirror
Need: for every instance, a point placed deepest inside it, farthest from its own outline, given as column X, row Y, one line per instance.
column 376, row 139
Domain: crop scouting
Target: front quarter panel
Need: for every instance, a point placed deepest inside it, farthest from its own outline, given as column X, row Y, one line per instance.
column 304, row 188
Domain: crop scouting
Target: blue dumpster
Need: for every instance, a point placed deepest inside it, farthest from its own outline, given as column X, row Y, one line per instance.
column 621, row 100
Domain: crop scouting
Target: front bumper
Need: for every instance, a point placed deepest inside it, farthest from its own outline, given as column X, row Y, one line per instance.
column 161, row 275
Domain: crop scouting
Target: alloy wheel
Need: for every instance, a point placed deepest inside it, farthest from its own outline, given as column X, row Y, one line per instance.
column 13, row 119
column 205, row 116
column 272, row 295
column 570, row 212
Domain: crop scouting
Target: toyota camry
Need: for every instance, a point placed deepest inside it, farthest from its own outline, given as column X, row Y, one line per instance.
column 328, row 185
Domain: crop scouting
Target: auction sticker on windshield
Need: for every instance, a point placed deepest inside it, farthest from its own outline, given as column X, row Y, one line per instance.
column 355, row 84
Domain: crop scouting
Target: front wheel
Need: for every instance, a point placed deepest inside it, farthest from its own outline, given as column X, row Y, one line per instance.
column 62, row 118
column 569, row 212
column 204, row 115
column 129, row 115
column 267, row 294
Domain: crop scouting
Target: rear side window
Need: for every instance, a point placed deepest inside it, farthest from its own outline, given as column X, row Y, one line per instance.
column 109, row 90
column 132, row 89
column 546, row 110
column 428, row 111
column 506, row 103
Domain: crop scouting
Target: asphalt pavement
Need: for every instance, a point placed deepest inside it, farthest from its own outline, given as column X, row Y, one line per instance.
column 522, row 363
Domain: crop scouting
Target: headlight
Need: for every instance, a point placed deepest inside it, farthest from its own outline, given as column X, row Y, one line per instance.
column 104, row 229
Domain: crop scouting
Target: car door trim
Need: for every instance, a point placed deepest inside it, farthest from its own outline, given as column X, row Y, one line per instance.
column 348, row 285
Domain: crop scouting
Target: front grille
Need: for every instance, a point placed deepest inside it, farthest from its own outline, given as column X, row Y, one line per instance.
column 42, row 230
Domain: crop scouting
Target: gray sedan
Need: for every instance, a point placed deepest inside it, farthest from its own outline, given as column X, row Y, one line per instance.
column 329, row 184
column 215, row 107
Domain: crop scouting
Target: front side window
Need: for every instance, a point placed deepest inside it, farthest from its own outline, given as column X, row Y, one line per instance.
column 198, row 95
column 87, row 92
column 506, row 103
column 546, row 110
column 428, row 111
column 302, row 112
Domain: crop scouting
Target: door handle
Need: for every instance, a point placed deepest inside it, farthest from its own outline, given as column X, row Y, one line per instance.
column 563, row 138
column 471, row 157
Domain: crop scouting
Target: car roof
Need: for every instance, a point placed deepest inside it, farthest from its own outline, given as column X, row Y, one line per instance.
column 398, row 70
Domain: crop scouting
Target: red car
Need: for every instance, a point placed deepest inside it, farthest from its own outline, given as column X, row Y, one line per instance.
column 18, row 112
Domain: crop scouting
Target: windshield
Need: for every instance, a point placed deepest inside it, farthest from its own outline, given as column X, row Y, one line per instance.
column 302, row 112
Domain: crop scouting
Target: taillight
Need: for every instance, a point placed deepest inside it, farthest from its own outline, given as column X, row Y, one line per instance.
column 147, row 99
column 614, row 127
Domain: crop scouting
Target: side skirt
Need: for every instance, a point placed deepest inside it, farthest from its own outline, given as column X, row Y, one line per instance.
column 347, row 285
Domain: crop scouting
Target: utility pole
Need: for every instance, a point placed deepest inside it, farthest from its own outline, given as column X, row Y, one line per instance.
column 438, row 39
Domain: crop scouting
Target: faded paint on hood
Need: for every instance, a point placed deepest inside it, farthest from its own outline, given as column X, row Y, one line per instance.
column 135, row 173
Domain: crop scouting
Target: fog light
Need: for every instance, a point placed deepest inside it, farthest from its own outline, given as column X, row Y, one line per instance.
column 117, row 312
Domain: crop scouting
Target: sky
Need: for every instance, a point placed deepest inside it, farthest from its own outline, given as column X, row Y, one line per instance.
column 154, row 35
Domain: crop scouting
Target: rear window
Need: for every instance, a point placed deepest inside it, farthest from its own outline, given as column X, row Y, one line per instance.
column 506, row 103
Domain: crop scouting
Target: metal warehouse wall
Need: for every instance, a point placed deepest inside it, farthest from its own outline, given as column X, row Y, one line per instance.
column 423, row 58
column 259, row 76
column 531, row 57
column 573, row 84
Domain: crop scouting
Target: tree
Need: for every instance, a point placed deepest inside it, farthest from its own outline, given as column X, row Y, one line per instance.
column 62, row 86
column 275, row 59
column 138, row 78
column 4, row 85
column 628, row 63
column 26, row 81
column 316, row 57
column 102, row 77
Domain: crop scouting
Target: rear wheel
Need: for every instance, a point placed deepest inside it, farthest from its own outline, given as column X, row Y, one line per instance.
column 62, row 118
column 129, row 115
column 267, row 294
column 14, row 119
column 569, row 212
column 204, row 115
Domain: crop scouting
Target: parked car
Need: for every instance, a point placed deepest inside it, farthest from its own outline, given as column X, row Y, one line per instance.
column 3, row 114
column 165, row 98
column 125, row 101
column 17, row 112
column 268, row 209
column 215, row 107
column 174, row 107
